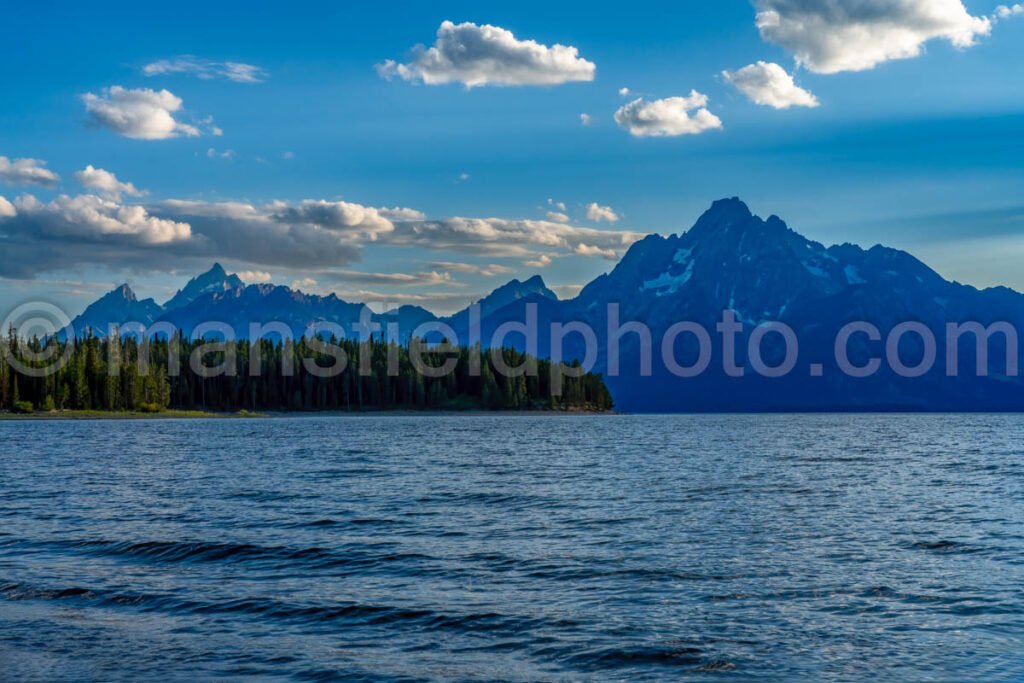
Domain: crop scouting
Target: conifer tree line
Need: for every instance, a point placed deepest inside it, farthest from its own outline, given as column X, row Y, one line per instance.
column 106, row 374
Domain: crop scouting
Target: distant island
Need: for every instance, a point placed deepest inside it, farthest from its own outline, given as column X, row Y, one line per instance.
column 128, row 375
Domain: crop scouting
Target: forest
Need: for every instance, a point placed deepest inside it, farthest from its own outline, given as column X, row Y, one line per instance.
column 152, row 375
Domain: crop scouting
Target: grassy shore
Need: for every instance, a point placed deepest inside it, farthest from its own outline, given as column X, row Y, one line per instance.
column 124, row 415
column 203, row 415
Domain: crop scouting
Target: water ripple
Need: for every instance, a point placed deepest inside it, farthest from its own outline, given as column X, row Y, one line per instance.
column 492, row 548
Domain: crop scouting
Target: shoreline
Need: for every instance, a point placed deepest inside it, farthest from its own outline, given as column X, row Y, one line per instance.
column 125, row 415
column 72, row 415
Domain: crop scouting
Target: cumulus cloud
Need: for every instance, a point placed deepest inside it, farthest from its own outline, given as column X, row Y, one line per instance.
column 106, row 183
column 90, row 216
column 141, row 113
column 304, row 283
column 669, row 117
column 206, row 69
column 265, row 235
column 856, row 35
column 86, row 229
column 586, row 119
column 590, row 250
column 557, row 216
column 596, row 212
column 356, row 220
column 26, row 172
column 542, row 261
column 1007, row 11
column 770, row 85
column 255, row 276
column 489, row 55
column 558, row 205
column 402, row 214
column 624, row 92
column 92, row 230
column 310, row 236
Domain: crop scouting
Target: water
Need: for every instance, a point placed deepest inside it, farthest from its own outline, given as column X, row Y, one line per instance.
column 719, row 548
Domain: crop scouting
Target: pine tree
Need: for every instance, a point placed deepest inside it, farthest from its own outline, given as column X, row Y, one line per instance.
column 106, row 374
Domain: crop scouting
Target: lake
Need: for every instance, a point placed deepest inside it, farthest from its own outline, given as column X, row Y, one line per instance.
column 519, row 548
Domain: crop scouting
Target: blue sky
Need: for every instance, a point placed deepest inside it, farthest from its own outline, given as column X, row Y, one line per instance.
column 921, row 153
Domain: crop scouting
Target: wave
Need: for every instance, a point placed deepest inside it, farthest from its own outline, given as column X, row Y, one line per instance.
column 351, row 558
column 349, row 613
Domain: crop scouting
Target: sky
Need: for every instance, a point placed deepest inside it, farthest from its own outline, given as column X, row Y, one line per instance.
column 429, row 152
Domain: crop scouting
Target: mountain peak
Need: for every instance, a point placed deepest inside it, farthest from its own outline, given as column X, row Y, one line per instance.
column 535, row 282
column 216, row 279
column 724, row 215
column 217, row 271
column 513, row 291
column 523, row 288
column 730, row 205
column 733, row 219
column 116, row 307
column 121, row 293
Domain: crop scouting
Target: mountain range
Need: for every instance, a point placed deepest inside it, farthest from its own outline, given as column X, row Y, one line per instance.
column 731, row 260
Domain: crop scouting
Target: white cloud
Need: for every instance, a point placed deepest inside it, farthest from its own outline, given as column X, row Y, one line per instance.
column 355, row 220
column 624, row 92
column 432, row 278
column 206, row 69
column 309, row 236
column 1007, row 11
column 668, row 117
column 856, row 35
column 227, row 154
column 402, row 214
column 558, row 205
column 92, row 217
column 542, row 261
column 596, row 212
column 588, row 250
column 557, row 216
column 106, row 183
column 586, row 119
column 141, row 113
column 489, row 270
column 91, row 230
column 463, row 177
column 769, row 85
column 506, row 237
column 26, row 172
column 489, row 55
column 255, row 276
column 304, row 283
column 69, row 232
